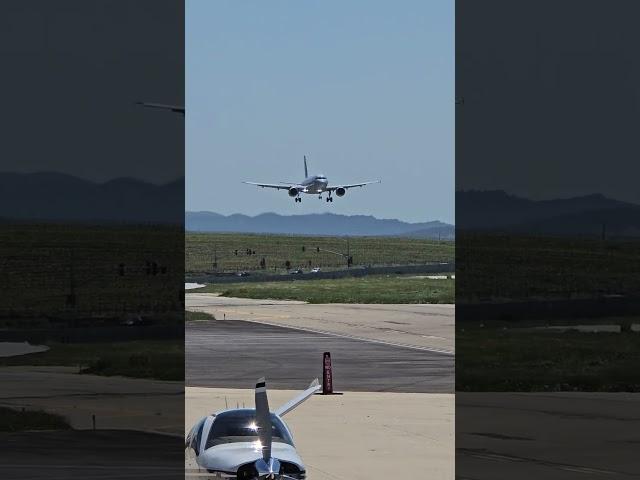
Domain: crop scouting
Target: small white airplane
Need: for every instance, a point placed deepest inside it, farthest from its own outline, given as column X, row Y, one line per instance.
column 312, row 185
column 248, row 444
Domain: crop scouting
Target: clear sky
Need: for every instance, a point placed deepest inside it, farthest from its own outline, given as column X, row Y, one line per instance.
column 364, row 88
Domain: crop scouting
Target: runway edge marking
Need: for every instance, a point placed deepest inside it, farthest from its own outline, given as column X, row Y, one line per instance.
column 355, row 337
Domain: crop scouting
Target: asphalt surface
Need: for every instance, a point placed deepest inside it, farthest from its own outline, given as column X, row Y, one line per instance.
column 421, row 325
column 88, row 455
column 233, row 354
column 567, row 435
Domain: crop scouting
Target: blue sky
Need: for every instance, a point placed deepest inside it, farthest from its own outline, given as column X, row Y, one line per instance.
column 365, row 89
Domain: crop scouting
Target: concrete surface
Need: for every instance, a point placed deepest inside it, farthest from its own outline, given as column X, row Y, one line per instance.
column 233, row 354
column 117, row 402
column 547, row 435
column 426, row 326
column 358, row 435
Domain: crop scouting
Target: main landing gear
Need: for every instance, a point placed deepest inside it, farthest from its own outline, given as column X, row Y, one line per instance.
column 329, row 198
column 298, row 200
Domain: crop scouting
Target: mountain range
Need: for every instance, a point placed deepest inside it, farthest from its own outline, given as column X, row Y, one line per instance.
column 315, row 224
column 50, row 196
column 584, row 215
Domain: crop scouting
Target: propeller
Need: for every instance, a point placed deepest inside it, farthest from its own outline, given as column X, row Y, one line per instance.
column 267, row 467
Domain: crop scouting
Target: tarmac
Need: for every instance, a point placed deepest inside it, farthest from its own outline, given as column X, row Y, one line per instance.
column 393, row 364
column 568, row 435
column 233, row 354
column 355, row 436
column 116, row 402
column 89, row 455
column 431, row 327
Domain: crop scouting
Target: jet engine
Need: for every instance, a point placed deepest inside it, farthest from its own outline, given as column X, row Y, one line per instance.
column 341, row 191
column 293, row 192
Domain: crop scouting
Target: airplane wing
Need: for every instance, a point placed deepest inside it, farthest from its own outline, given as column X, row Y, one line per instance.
column 351, row 185
column 278, row 186
column 294, row 402
column 173, row 108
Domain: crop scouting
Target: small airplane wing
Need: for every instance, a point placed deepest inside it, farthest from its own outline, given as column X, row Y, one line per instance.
column 294, row 402
column 352, row 185
column 173, row 108
column 278, row 186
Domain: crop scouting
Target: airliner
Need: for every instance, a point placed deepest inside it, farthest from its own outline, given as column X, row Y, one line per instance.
column 174, row 108
column 312, row 185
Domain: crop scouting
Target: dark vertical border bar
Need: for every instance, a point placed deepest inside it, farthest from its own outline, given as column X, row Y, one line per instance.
column 92, row 239
column 547, row 229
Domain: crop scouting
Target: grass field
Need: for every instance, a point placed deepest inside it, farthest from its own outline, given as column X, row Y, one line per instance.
column 209, row 252
column 190, row 316
column 67, row 270
column 369, row 289
column 514, row 267
column 158, row 359
column 493, row 358
column 19, row 420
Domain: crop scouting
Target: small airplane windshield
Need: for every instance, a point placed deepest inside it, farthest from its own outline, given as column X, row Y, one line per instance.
column 240, row 426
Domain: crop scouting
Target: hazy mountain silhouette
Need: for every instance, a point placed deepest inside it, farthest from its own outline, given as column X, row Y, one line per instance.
column 315, row 224
column 585, row 215
column 50, row 196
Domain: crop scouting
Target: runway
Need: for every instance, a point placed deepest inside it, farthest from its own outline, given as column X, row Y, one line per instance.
column 117, row 402
column 565, row 435
column 88, row 455
column 233, row 354
column 425, row 326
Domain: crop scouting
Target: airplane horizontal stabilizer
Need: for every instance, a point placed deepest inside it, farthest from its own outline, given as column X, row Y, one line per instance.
column 294, row 402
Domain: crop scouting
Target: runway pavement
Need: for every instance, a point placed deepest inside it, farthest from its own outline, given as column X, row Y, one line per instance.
column 117, row 402
column 233, row 354
column 394, row 363
column 568, row 435
column 88, row 455
column 425, row 326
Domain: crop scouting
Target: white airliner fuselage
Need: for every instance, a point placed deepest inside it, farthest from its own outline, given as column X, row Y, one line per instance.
column 315, row 184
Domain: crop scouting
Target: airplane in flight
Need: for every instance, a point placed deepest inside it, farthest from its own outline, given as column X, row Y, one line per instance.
column 162, row 106
column 312, row 185
column 248, row 444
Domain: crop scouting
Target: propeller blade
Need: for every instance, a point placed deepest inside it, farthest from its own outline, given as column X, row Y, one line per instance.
column 263, row 419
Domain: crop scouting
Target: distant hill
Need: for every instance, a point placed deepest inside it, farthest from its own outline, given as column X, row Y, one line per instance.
column 316, row 224
column 49, row 196
column 585, row 215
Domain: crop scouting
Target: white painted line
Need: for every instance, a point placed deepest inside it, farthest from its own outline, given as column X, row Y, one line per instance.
column 361, row 339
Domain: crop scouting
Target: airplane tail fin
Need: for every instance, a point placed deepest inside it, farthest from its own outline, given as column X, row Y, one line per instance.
column 306, row 172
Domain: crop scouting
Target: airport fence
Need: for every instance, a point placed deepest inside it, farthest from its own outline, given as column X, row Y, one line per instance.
column 231, row 253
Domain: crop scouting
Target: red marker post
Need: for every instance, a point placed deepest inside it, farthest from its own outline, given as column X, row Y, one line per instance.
column 327, row 374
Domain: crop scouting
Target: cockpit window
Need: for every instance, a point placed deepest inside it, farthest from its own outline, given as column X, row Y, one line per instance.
column 240, row 426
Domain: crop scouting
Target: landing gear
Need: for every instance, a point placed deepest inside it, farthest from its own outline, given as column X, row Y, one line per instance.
column 298, row 200
column 329, row 199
